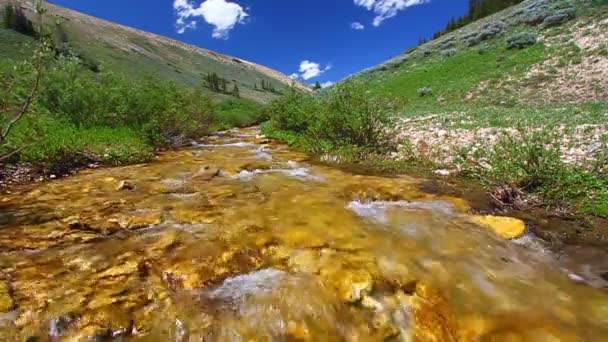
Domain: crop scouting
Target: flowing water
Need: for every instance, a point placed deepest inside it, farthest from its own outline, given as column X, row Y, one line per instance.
column 271, row 248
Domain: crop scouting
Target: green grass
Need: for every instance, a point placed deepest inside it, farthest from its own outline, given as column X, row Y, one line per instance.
column 78, row 115
column 452, row 78
column 60, row 142
column 237, row 113
column 531, row 161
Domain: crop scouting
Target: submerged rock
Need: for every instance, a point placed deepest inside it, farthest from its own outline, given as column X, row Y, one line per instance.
column 506, row 227
column 354, row 285
column 206, row 173
column 6, row 302
column 125, row 185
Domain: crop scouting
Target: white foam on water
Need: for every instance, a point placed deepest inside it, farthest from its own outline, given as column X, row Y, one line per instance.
column 376, row 210
column 237, row 289
column 236, row 144
column 296, row 172
column 263, row 153
column 532, row 242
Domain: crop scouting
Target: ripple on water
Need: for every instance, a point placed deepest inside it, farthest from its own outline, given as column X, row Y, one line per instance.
column 236, row 144
column 236, row 289
column 294, row 171
column 376, row 210
column 263, row 153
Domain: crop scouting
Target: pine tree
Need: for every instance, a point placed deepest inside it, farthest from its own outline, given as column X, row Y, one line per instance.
column 235, row 91
column 477, row 9
column 317, row 86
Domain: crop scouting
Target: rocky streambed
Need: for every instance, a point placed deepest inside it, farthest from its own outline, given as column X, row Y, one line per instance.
column 239, row 239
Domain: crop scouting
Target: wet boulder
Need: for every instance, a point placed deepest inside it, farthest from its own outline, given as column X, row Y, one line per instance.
column 206, row 173
column 353, row 285
column 262, row 140
column 506, row 227
column 256, row 165
column 125, row 185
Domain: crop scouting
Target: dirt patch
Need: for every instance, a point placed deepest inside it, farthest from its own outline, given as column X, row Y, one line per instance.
column 579, row 75
column 427, row 137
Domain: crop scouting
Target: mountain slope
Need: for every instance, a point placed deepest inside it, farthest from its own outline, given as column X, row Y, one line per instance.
column 109, row 46
column 565, row 61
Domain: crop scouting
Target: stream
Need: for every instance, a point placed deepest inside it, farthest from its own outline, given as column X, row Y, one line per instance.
column 237, row 239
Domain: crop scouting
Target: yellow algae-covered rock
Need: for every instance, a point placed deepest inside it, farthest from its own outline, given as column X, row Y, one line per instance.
column 353, row 285
column 126, row 268
column 147, row 219
column 6, row 302
column 432, row 318
column 206, row 173
column 506, row 227
column 513, row 327
column 125, row 185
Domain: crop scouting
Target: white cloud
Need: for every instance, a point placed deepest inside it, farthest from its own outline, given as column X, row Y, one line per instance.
column 384, row 9
column 327, row 84
column 223, row 15
column 310, row 70
column 357, row 26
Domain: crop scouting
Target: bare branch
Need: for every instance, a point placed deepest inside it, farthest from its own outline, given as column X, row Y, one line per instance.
column 6, row 156
column 25, row 106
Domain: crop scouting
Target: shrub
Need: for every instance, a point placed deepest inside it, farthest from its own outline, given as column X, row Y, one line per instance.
column 343, row 117
column 351, row 117
column 473, row 41
column 447, row 44
column 531, row 160
column 292, row 111
column 165, row 112
column 521, row 40
column 237, row 113
column 491, row 30
column 425, row 91
column 449, row 52
column 559, row 17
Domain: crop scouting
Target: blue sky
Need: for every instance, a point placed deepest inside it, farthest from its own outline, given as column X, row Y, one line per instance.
column 317, row 40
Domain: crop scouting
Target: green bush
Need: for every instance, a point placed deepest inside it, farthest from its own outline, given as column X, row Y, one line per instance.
column 425, row 91
column 108, row 117
column 559, row 17
column 293, row 112
column 532, row 161
column 345, row 117
column 521, row 40
column 165, row 112
column 351, row 117
column 238, row 113
column 449, row 52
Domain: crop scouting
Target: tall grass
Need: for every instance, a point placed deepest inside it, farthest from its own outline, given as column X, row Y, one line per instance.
column 111, row 117
column 343, row 118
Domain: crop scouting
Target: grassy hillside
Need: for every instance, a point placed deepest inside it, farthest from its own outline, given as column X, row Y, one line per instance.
column 77, row 91
column 517, row 100
column 566, row 60
column 107, row 46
